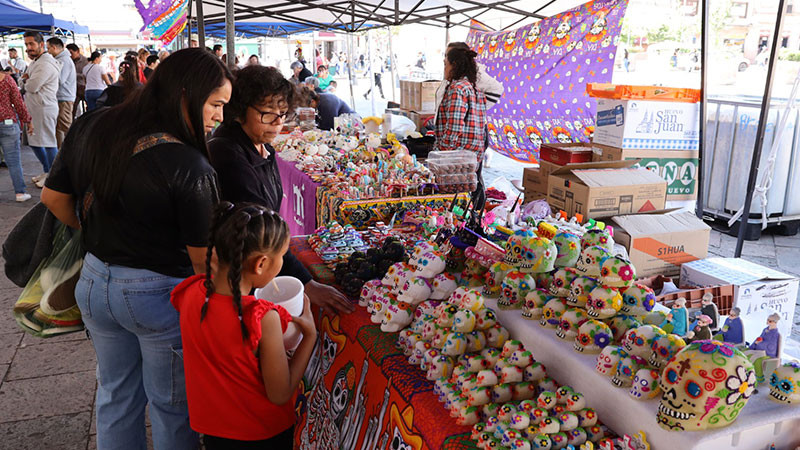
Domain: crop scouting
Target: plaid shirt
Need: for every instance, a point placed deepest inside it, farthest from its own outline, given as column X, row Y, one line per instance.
column 461, row 119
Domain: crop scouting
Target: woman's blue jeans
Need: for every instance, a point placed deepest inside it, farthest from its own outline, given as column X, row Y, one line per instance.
column 91, row 96
column 46, row 156
column 9, row 140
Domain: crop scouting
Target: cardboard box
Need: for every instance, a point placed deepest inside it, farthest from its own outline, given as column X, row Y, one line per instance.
column 677, row 167
column 597, row 190
column 644, row 124
column 534, row 180
column 658, row 244
column 418, row 119
column 562, row 154
column 758, row 291
column 419, row 96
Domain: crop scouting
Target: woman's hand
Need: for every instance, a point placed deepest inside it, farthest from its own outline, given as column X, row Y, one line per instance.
column 328, row 297
column 306, row 320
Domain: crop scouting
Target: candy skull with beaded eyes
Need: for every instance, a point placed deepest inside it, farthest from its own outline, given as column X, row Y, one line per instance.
column 705, row 385
column 496, row 336
column 415, row 291
column 366, row 292
column 568, row 420
column 589, row 261
column 593, row 336
column 455, row 344
column 664, row 347
column 440, row 366
column 516, row 286
column 485, row 319
column 618, row 272
column 494, row 279
column 620, row 324
column 604, row 302
column 570, row 321
column 534, row 302
column 534, row 372
column 784, row 384
column 464, row 321
column 472, row 300
column 601, row 238
column 552, row 312
column 443, row 285
column 579, row 290
column 626, row 369
column 575, row 402
column 397, row 317
column 430, row 264
column 568, row 246
column 389, row 279
column 637, row 300
column 515, row 246
column 645, row 384
column 607, row 360
column 560, row 283
column 538, row 255
column 639, row 341
column 422, row 248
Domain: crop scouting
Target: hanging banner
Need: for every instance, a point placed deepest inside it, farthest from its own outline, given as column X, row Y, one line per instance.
column 164, row 19
column 151, row 10
column 544, row 68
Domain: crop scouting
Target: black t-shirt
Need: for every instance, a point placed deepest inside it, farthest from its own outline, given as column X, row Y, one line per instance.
column 166, row 199
column 330, row 106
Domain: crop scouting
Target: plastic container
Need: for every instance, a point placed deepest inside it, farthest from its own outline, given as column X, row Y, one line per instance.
column 306, row 118
column 459, row 182
column 287, row 292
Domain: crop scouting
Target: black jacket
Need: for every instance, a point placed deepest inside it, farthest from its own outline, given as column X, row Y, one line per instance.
column 244, row 176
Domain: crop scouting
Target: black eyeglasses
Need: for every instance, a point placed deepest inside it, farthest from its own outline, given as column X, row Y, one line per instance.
column 270, row 118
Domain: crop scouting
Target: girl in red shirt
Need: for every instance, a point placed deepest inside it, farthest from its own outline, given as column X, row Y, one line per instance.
column 239, row 382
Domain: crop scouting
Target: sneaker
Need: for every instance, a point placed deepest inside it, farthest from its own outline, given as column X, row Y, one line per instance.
column 38, row 177
column 40, row 182
column 3, row 164
column 23, row 197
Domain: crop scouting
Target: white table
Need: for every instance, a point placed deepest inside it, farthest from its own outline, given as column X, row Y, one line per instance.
column 762, row 422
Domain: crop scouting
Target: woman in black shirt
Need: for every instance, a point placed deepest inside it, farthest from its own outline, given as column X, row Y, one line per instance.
column 140, row 174
column 241, row 153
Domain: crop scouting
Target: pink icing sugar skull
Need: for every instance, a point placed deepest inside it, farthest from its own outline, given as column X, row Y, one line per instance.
column 443, row 286
column 607, row 360
column 415, row 290
column 457, row 297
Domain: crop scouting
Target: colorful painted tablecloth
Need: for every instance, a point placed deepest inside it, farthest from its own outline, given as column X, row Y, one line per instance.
column 299, row 199
column 360, row 392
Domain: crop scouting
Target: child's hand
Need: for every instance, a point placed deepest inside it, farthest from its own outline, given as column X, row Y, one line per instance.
column 306, row 320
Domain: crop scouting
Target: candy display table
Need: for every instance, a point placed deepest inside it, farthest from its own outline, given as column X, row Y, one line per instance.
column 762, row 422
column 299, row 199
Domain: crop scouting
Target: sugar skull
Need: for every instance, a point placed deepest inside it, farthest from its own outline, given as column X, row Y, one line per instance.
column 509, row 347
column 784, row 383
column 400, row 278
column 487, row 378
column 496, row 336
column 538, row 255
column 472, row 300
column 561, row 281
column 418, row 353
column 472, row 363
column 520, row 421
column 601, row 238
column 494, row 279
column 534, row 303
column 516, row 286
column 415, row 291
column 559, row 440
column 506, row 412
column 618, row 272
column 501, row 393
column 538, row 414
column 479, row 396
column 455, row 344
column 440, row 337
column 440, row 366
column 447, row 314
column 420, row 249
column 645, row 384
column 589, row 261
column 524, row 390
column 595, row 433
column 587, row 417
column 593, row 336
column 443, row 285
column 485, row 318
column 664, row 347
column 575, row 402
column 547, row 400
column 576, row 437
column 464, row 321
column 568, row 420
column 626, row 369
column 430, row 264
column 492, row 355
column 579, row 291
column 570, row 321
column 514, row 247
column 639, row 341
column 620, row 324
column 457, row 297
column 705, row 386
column 534, row 372
column 521, row 358
column 638, row 300
column 509, row 436
column 561, row 394
column 428, row 328
column 425, row 308
column 397, row 317
column 603, row 302
column 547, row 384
column 389, row 279
column 568, row 246
column 379, row 305
column 366, row 292
column 541, row 442
column 510, row 374
column 607, row 360
column 552, row 312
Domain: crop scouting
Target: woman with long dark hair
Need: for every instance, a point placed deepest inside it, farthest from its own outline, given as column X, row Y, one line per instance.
column 127, row 83
column 461, row 118
column 140, row 174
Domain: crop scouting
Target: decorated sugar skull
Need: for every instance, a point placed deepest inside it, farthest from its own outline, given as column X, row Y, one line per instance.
column 595, row 433
column 479, row 396
column 455, row 344
column 589, row 261
column 440, row 366
column 496, row 336
column 457, row 297
column 626, row 369
column 501, row 393
column 559, row 440
column 587, row 417
column 472, row 300
column 541, row 442
column 366, row 292
column 514, row 247
column 446, row 315
column 607, row 360
column 547, row 384
column 464, row 321
column 575, row 402
column 468, row 415
column 397, row 317
column 593, row 336
column 562, row 392
column 510, row 374
column 487, row 378
column 576, row 437
column 639, row 341
column 440, row 337
column 534, row 372
column 547, row 400
column 604, row 302
column 521, row 358
column 492, row 355
column 524, row 390
column 485, row 318
column 425, row 308
column 705, row 386
column 561, row 281
column 419, row 353
column 379, row 305
column 428, row 328
column 618, row 272
column 509, row 347
column 534, row 303
column 568, row 420
column 784, row 383
column 420, row 249
column 601, row 238
column 415, row 291
column 516, row 286
column 579, row 291
column 570, row 321
column 638, row 300
column 389, row 279
column 568, row 246
column 494, row 279
column 645, row 384
column 509, row 436
column 663, row 348
column 400, row 279
column 520, row 421
column 506, row 412
column 443, row 285
column 430, row 264
column 552, row 312
column 538, row 255
column 620, row 324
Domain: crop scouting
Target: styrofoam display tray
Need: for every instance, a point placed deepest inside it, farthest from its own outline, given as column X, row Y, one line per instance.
column 761, row 423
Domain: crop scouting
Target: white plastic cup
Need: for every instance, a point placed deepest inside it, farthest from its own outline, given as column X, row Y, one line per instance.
column 287, row 292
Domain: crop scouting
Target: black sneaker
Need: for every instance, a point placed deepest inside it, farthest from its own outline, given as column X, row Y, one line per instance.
column 3, row 164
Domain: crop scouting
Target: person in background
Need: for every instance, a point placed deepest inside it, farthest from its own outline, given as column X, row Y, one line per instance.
column 332, row 87
column 110, row 64
column 299, row 72
column 319, row 60
column 141, row 62
column 41, row 82
column 626, row 61
column 491, row 88
column 152, row 62
column 67, row 88
column 421, row 61
column 324, row 77
column 96, row 80
column 328, row 107
column 461, row 117
column 312, row 83
column 333, row 64
column 80, row 62
column 13, row 113
column 377, row 72
column 141, row 174
column 15, row 64
column 253, row 61
column 194, row 41
column 246, row 164
column 162, row 55
column 124, row 87
column 218, row 50
column 298, row 55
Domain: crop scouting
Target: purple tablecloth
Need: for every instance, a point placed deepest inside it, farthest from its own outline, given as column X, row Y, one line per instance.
column 299, row 199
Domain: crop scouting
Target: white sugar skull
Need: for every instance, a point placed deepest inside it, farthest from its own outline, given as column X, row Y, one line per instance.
column 601, row 238
column 568, row 420
column 509, row 347
column 547, row 400
column 665, row 347
column 562, row 393
column 561, row 281
column 457, row 297
column 576, row 437
column 425, row 308
column 389, row 279
column 570, row 321
column 485, row 318
column 496, row 336
column 441, row 366
column 705, row 386
column 366, row 292
column 589, row 261
column 400, row 279
column 501, row 393
column 516, row 286
column 430, row 264
column 575, row 402
column 415, row 291
column 604, row 302
column 784, row 383
column 626, row 369
column 639, row 341
column 492, row 355
column 521, row 358
column 638, row 300
column 397, row 317
column 464, row 321
column 568, row 246
column 541, row 442
column 514, row 247
column 418, row 354
column 587, row 417
column 455, row 344
column 467, row 416
column 547, row 384
column 607, row 360
column 620, row 324
column 446, row 315
column 618, row 272
column 579, row 291
column 472, row 300
column 494, row 279
column 534, row 372
column 443, row 285
column 534, row 303
column 420, row 249
column 645, row 385
column 524, row 390
column 520, row 421
column 552, row 312
column 538, row 255
column 379, row 305
column 428, row 328
column 593, row 336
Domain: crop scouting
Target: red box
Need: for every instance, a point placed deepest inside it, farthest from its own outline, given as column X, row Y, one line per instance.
column 563, row 154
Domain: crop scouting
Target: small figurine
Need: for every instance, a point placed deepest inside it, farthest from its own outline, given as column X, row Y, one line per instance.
column 701, row 332
column 733, row 330
column 678, row 318
column 770, row 338
column 709, row 308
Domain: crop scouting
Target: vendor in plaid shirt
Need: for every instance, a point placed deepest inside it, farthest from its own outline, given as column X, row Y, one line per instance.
column 461, row 118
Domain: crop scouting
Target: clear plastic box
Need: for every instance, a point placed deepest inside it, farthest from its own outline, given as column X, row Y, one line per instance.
column 459, row 182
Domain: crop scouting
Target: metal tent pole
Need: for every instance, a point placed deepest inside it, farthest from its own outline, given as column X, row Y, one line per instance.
column 313, row 53
column 350, row 73
column 201, row 26
column 189, row 24
column 371, row 74
column 703, row 106
column 230, row 38
column 392, row 63
column 762, row 124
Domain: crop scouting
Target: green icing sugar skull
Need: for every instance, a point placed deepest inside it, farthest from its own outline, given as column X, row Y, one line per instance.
column 538, row 255
column 590, row 259
column 598, row 237
column 560, row 283
column 616, row 271
column 705, row 386
column 569, row 248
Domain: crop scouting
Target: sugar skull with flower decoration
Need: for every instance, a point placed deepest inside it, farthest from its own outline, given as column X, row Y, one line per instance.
column 366, row 292
column 626, row 369
column 538, row 255
column 568, row 420
column 570, row 321
column 397, row 317
column 415, row 291
column 576, row 437
column 579, row 291
column 472, row 300
column 552, row 312
column 464, row 321
column 485, row 318
column 637, row 300
column 589, row 261
column 496, row 336
column 604, row 302
column 593, row 336
column 664, row 347
column 455, row 344
column 607, row 360
column 561, row 280
column 705, row 385
column 420, row 249
column 446, row 315
column 575, row 402
column 516, row 286
column 430, row 264
column 639, row 341
column 645, row 384
column 494, row 279
column 618, row 272
column 515, row 246
column 620, row 324
column 568, row 248
column 534, row 372
column 440, row 366
column 443, row 285
column 784, row 383
column 534, row 303
column 598, row 237
column 389, row 279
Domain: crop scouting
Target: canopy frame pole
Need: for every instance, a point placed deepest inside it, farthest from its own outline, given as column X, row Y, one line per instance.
column 392, row 63
column 201, row 26
column 189, row 24
column 703, row 106
column 447, row 27
column 371, row 74
column 350, row 72
column 313, row 52
column 230, row 38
